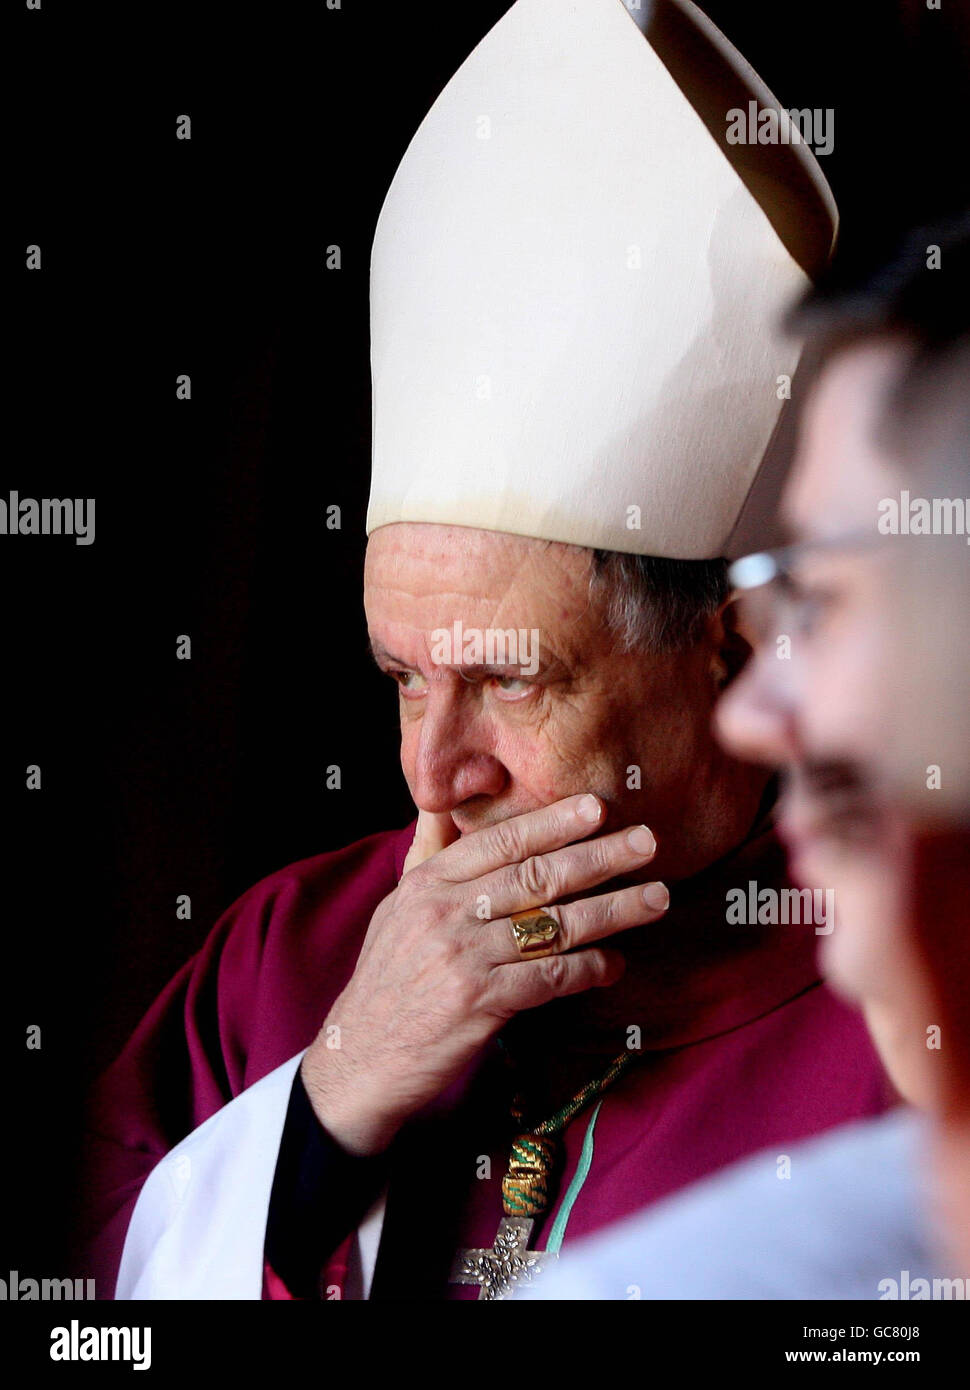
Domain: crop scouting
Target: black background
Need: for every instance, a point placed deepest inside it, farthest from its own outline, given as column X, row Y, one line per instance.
column 207, row 257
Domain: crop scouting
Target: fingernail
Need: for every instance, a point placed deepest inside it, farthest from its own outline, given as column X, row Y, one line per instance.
column 641, row 840
column 589, row 808
column 656, row 895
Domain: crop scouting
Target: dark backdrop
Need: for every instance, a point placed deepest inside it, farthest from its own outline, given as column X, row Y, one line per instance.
column 162, row 777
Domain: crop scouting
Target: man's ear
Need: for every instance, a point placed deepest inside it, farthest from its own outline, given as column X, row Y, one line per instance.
column 732, row 647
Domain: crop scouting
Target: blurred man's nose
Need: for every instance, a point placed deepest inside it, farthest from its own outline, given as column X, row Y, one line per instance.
column 454, row 758
column 756, row 718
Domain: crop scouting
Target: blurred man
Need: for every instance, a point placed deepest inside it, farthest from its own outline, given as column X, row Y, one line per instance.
column 875, row 728
column 860, row 688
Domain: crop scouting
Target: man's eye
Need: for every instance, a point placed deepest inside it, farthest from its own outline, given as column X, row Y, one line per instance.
column 805, row 602
column 512, row 685
column 411, row 682
column 812, row 606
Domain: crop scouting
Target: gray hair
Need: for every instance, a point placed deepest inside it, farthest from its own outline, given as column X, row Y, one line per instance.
column 653, row 604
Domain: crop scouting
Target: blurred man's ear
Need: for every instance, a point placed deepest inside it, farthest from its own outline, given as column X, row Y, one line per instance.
column 733, row 645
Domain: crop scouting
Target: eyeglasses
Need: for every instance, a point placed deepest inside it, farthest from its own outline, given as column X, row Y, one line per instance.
column 772, row 597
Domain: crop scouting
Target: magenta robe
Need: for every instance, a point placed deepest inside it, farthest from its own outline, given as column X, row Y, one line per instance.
column 743, row 1048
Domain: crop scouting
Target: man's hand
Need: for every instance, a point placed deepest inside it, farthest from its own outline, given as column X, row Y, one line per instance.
column 435, row 830
column 439, row 972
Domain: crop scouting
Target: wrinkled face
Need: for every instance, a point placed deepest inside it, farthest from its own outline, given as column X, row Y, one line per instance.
column 816, row 700
column 485, row 737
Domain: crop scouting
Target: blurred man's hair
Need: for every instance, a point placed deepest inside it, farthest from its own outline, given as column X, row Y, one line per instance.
column 920, row 294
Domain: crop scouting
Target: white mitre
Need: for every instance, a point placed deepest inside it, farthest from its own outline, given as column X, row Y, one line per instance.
column 576, row 285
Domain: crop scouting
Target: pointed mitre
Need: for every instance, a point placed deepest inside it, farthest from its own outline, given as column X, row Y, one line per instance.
column 576, row 286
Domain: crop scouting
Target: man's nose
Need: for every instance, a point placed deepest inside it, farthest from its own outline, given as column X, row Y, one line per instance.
column 454, row 758
column 756, row 717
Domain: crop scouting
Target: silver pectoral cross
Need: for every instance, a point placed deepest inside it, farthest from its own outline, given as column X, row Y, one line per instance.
column 508, row 1265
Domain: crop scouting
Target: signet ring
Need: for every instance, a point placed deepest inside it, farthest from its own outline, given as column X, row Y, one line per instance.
column 535, row 933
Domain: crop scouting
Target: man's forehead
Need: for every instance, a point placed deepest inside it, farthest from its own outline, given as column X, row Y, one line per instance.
column 425, row 559
column 840, row 471
column 423, row 578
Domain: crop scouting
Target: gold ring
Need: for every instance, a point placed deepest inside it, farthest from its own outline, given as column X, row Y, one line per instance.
column 535, row 932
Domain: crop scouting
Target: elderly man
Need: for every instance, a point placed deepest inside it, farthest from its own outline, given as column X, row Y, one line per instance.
column 414, row 1062
column 859, row 689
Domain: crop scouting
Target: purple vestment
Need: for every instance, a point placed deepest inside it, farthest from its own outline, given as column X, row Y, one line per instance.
column 743, row 1048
